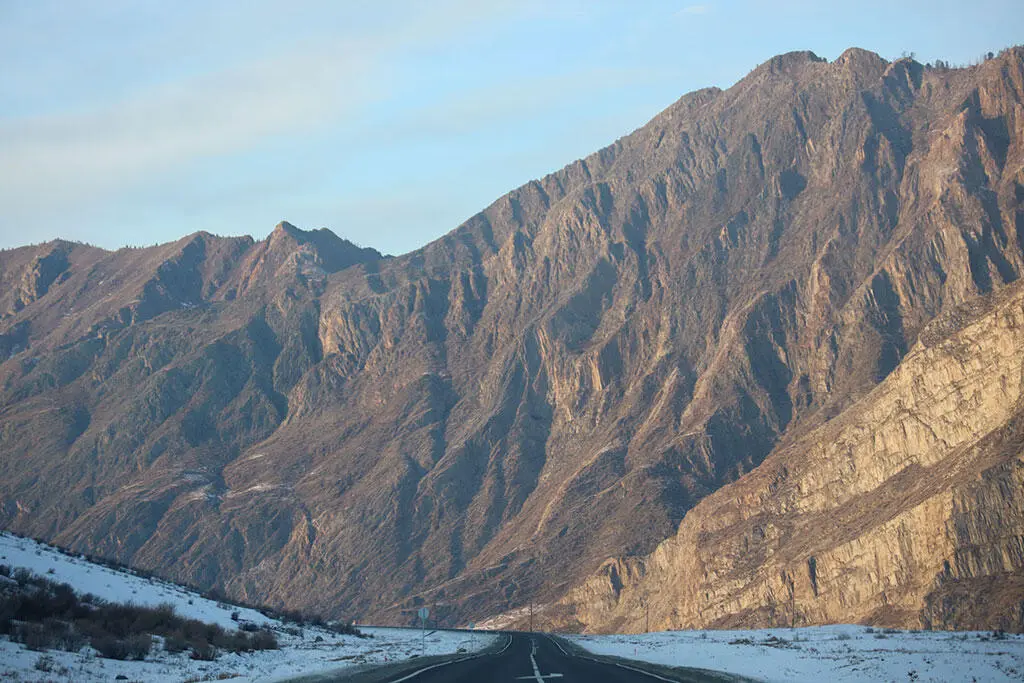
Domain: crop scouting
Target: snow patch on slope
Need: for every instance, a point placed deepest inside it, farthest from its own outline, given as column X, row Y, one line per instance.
column 303, row 651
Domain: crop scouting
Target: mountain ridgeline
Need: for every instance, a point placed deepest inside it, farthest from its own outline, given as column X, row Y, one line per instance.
column 757, row 362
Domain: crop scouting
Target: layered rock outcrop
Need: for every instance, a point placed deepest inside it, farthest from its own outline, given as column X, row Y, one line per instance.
column 904, row 510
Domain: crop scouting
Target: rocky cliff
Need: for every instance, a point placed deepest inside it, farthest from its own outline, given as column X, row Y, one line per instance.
column 904, row 510
column 560, row 380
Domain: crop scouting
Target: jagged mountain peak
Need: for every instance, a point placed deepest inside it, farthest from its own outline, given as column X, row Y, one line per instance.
column 792, row 62
column 860, row 59
column 336, row 252
column 286, row 228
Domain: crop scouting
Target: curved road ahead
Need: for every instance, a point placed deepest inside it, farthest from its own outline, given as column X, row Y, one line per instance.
column 539, row 658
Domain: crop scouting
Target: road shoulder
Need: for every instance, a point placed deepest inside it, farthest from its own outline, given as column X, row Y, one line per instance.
column 680, row 674
column 380, row 673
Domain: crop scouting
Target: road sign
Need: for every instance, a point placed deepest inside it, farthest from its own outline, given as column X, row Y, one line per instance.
column 472, row 626
column 423, row 613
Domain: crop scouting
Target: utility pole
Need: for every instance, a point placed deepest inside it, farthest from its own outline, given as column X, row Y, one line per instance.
column 645, row 602
column 531, row 615
column 792, row 603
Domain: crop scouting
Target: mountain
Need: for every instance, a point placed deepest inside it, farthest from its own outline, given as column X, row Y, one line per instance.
column 563, row 379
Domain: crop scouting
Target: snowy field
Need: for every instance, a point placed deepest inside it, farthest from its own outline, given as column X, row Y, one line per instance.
column 828, row 653
column 315, row 650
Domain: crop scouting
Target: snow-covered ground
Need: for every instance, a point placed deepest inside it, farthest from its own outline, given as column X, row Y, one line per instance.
column 828, row 653
column 297, row 656
column 831, row 653
column 313, row 651
column 115, row 585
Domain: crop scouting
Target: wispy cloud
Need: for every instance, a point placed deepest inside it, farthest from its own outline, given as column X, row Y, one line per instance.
column 164, row 126
column 102, row 146
column 694, row 9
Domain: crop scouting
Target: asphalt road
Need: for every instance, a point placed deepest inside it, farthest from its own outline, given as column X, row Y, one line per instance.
column 539, row 658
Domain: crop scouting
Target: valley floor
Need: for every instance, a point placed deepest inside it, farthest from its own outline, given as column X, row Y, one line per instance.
column 828, row 653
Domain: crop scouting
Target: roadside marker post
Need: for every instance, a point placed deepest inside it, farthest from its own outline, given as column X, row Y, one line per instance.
column 423, row 613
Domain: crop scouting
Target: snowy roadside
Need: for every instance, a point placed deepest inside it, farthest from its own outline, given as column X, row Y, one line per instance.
column 297, row 657
column 828, row 653
column 303, row 650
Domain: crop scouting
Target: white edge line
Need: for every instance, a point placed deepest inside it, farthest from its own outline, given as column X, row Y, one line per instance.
column 639, row 671
column 502, row 650
column 559, row 646
column 454, row 661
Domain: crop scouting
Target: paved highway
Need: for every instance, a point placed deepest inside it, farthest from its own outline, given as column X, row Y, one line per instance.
column 539, row 658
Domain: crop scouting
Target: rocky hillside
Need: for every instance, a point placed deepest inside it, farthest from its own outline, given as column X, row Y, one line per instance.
column 560, row 380
column 905, row 510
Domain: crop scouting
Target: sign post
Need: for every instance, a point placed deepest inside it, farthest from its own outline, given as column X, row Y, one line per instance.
column 424, row 613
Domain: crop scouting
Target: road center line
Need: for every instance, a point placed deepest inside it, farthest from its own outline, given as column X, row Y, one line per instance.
column 537, row 675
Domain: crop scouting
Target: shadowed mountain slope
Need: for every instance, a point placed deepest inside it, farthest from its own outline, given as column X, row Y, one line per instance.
column 559, row 380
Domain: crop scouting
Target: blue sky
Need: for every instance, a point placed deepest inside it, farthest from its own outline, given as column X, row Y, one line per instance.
column 389, row 122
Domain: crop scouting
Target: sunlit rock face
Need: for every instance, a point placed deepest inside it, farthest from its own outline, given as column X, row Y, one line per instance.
column 904, row 510
column 725, row 363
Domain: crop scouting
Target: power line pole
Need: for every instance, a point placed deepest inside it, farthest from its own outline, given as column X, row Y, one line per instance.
column 531, row 616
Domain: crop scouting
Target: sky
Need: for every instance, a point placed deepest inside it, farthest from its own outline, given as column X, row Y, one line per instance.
column 135, row 122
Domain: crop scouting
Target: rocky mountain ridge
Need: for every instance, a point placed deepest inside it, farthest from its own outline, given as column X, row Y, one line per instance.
column 904, row 510
column 485, row 421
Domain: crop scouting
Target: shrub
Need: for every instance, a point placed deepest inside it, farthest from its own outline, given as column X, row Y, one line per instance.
column 133, row 647
column 64, row 635
column 264, row 640
column 175, row 643
column 346, row 628
column 203, row 652
column 233, row 642
column 159, row 619
column 33, row 636
column 45, row 663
